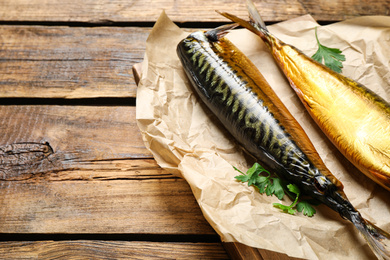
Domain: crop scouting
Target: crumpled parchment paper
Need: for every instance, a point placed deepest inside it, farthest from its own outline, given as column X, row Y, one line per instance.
column 187, row 140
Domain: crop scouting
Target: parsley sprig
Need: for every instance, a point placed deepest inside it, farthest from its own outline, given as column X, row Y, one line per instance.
column 262, row 179
column 332, row 57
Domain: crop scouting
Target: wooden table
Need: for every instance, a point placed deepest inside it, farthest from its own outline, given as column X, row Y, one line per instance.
column 76, row 178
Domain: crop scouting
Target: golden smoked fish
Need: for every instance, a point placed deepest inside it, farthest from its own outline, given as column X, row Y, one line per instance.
column 356, row 120
column 235, row 91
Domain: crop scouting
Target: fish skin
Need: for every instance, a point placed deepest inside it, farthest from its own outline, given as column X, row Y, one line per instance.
column 355, row 119
column 236, row 92
column 302, row 73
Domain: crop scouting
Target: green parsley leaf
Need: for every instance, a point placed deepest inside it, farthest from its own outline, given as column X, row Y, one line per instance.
column 306, row 208
column 256, row 169
column 242, row 178
column 252, row 175
column 262, row 183
column 294, row 189
column 332, row 57
column 275, row 186
column 290, row 209
column 285, row 208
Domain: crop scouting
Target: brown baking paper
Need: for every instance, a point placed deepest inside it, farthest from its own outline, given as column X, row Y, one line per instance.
column 187, row 140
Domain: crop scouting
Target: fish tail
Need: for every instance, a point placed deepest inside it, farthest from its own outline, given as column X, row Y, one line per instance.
column 240, row 21
column 255, row 16
column 219, row 32
column 377, row 239
column 255, row 25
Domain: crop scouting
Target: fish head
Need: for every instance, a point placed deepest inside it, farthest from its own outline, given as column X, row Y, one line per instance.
column 204, row 39
column 191, row 48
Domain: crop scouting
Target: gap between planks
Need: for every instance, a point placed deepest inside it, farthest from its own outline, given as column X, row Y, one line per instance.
column 105, row 11
column 111, row 250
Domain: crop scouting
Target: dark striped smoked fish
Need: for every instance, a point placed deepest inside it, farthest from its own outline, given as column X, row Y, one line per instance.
column 236, row 92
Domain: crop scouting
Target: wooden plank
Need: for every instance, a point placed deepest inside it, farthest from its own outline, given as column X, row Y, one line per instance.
column 75, row 169
column 240, row 251
column 116, row 197
column 69, row 62
column 99, row 11
column 50, row 137
column 110, row 250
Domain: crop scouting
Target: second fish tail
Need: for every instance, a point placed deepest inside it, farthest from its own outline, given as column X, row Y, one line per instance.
column 255, row 25
column 255, row 17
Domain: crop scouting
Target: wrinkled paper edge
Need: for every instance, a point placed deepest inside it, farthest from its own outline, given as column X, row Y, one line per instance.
column 238, row 213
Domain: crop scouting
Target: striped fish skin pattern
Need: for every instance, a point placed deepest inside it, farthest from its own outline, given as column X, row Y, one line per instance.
column 231, row 97
column 228, row 83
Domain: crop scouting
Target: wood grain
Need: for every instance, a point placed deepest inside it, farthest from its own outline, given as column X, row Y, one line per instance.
column 110, row 250
column 101, row 11
column 75, row 134
column 240, row 251
column 69, row 62
column 136, row 201
column 91, row 177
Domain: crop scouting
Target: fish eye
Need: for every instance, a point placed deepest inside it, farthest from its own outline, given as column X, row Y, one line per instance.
column 319, row 183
